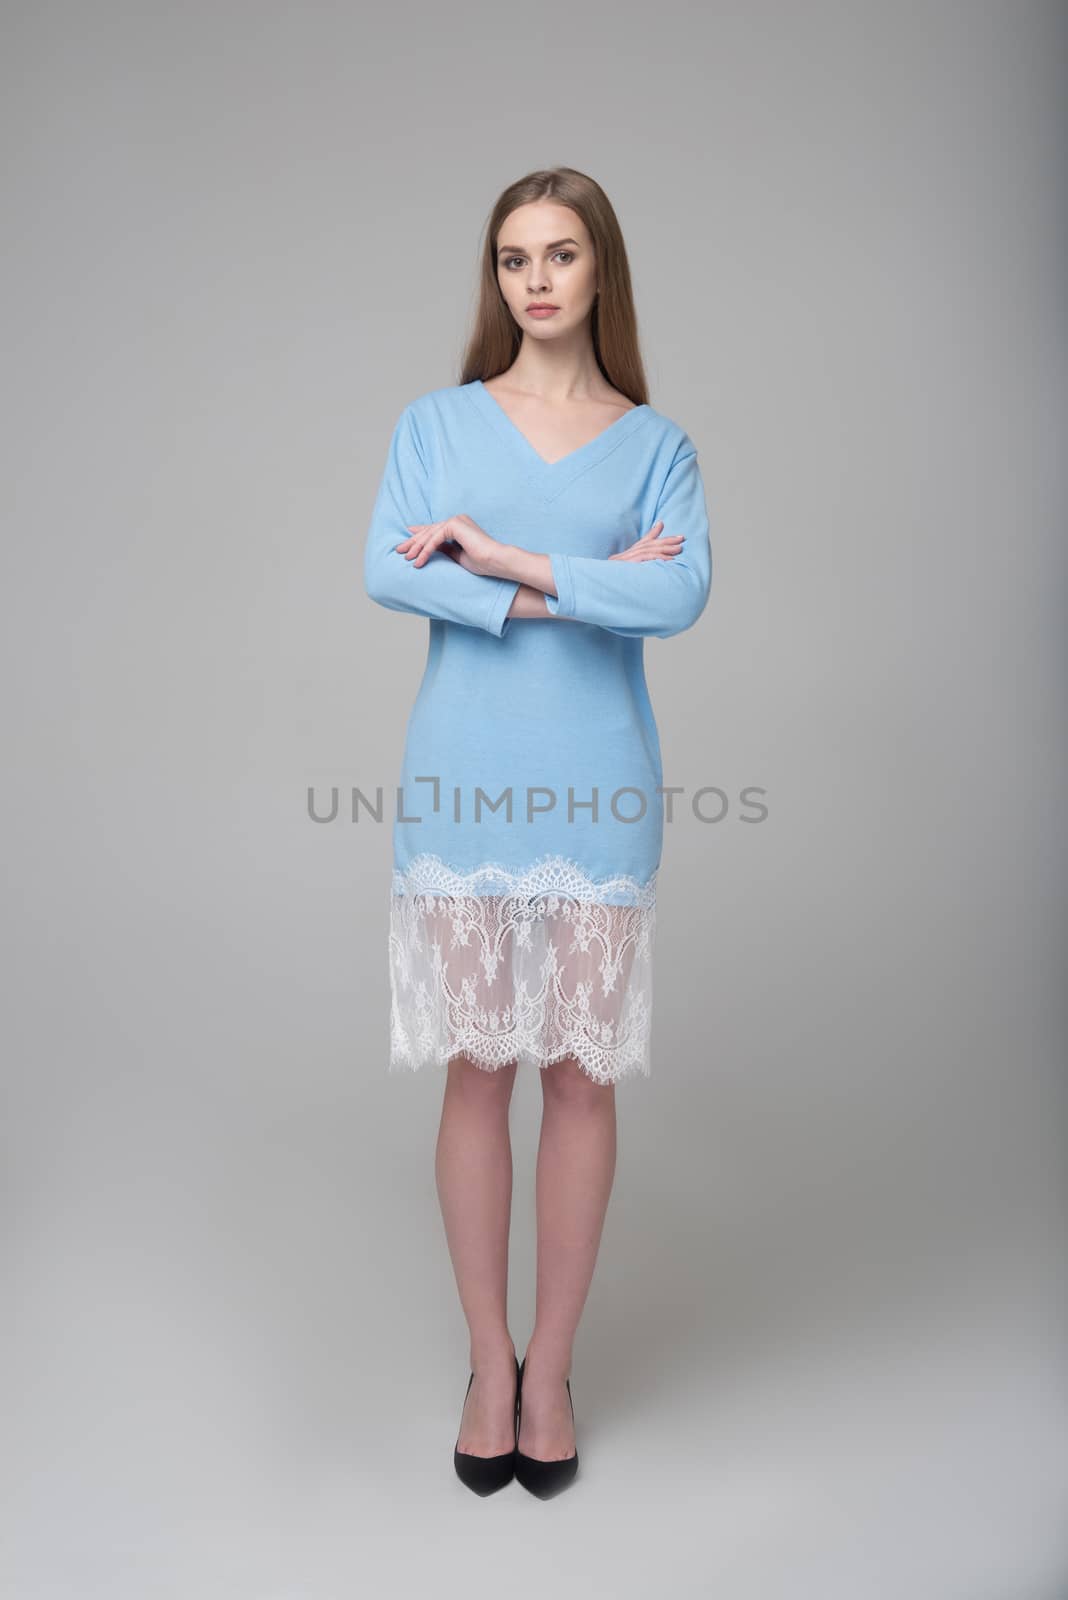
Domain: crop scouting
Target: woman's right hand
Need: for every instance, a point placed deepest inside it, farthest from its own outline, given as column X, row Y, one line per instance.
column 653, row 547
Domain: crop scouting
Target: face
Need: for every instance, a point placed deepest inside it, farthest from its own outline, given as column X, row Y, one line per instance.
column 545, row 256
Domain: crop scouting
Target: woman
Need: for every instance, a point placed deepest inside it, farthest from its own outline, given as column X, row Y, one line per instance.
column 529, row 829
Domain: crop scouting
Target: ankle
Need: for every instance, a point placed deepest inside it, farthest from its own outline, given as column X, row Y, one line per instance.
column 549, row 1358
column 492, row 1351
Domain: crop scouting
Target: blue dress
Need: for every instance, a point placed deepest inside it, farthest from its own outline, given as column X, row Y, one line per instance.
column 529, row 824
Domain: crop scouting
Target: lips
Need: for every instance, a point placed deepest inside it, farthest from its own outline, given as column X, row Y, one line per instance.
column 541, row 310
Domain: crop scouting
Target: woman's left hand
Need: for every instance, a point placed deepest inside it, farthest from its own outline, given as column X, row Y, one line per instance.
column 459, row 537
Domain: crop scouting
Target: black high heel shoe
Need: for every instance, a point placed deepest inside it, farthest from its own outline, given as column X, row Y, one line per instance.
column 543, row 1478
column 484, row 1474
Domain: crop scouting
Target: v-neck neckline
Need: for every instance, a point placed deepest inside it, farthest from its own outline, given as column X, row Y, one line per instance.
column 552, row 477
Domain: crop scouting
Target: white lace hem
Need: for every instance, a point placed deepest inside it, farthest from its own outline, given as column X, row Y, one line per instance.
column 531, row 966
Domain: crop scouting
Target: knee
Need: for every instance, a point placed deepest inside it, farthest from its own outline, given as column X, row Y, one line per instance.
column 479, row 1085
column 567, row 1083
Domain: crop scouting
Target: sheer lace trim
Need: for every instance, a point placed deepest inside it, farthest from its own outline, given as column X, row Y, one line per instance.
column 550, row 874
column 532, row 965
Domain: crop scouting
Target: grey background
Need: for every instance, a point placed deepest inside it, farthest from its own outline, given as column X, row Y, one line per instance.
column 824, row 1349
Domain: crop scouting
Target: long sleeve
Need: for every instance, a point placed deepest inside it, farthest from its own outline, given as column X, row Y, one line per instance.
column 646, row 598
column 441, row 588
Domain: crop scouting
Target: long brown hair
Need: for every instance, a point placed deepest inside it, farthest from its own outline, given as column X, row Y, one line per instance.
column 494, row 341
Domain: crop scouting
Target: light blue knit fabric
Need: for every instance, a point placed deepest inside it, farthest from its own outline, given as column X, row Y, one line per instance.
column 539, row 704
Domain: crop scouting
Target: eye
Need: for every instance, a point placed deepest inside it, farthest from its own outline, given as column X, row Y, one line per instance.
column 506, row 263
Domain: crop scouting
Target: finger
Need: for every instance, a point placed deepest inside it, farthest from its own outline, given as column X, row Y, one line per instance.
column 651, row 534
column 657, row 541
column 644, row 547
column 422, row 545
column 658, row 546
column 651, row 543
column 415, row 529
column 416, row 550
column 431, row 542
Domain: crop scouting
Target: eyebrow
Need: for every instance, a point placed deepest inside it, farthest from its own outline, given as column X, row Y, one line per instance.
column 517, row 250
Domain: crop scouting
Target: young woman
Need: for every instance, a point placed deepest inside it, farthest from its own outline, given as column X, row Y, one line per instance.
column 546, row 520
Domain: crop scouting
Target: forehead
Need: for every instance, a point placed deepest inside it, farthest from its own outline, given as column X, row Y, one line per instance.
column 539, row 223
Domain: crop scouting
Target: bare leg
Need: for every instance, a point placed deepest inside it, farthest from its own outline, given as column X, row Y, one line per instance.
column 473, row 1169
column 576, row 1166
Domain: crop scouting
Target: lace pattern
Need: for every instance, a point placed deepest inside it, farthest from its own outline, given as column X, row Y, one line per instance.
column 530, row 966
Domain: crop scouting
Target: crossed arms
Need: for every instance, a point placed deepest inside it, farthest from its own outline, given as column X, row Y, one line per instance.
column 635, row 598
